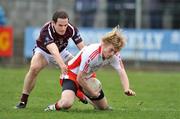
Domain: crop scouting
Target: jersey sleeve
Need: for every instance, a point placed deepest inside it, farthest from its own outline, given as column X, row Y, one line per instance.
column 76, row 37
column 116, row 62
column 47, row 40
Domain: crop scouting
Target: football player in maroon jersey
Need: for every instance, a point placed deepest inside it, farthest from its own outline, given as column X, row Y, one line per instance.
column 50, row 47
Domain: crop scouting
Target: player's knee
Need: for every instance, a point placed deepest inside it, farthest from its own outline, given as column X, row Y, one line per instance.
column 66, row 104
column 34, row 69
column 104, row 107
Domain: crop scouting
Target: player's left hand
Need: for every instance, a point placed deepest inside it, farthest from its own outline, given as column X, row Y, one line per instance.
column 129, row 92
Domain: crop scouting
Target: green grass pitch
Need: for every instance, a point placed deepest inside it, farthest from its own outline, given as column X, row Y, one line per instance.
column 158, row 96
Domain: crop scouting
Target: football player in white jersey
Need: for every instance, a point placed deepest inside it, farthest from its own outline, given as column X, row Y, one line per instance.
column 84, row 65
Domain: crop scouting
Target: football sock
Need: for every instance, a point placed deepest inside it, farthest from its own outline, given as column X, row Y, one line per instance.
column 57, row 106
column 24, row 98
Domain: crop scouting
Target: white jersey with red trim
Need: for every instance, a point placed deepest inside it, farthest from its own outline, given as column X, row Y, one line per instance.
column 89, row 59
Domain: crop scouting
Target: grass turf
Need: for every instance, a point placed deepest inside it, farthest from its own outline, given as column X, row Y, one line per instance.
column 158, row 96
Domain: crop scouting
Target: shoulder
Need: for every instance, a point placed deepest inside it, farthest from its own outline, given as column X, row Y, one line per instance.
column 47, row 28
column 72, row 29
column 91, row 50
column 71, row 26
column 46, row 25
column 92, row 47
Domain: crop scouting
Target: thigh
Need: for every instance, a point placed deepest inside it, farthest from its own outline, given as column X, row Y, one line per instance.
column 38, row 61
column 40, row 57
column 68, row 96
column 68, row 90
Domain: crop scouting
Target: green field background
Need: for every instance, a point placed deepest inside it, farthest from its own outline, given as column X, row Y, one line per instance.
column 158, row 96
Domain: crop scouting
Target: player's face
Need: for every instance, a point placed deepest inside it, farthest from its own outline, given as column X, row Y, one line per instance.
column 61, row 26
column 108, row 51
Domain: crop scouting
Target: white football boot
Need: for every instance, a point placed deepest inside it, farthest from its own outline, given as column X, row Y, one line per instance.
column 50, row 108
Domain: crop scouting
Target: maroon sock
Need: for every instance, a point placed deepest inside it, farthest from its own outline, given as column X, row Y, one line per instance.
column 24, row 98
column 57, row 106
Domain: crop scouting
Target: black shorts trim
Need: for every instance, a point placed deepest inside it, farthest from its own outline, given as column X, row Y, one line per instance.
column 69, row 85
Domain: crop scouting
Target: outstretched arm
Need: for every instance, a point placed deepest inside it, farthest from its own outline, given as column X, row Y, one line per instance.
column 80, row 45
column 55, row 53
column 125, row 81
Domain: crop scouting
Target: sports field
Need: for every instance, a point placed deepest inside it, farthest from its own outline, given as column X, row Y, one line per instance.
column 158, row 96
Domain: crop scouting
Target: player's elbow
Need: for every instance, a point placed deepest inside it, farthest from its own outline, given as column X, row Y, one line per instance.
column 79, row 80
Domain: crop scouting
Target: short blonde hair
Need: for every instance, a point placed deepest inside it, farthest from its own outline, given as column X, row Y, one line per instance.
column 116, row 38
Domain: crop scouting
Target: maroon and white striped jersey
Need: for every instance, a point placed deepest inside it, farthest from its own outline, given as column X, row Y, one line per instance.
column 49, row 35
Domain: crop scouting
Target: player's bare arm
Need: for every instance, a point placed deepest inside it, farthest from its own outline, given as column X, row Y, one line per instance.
column 125, row 81
column 55, row 53
column 80, row 45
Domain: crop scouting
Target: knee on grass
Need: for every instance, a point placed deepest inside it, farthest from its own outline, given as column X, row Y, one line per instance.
column 65, row 104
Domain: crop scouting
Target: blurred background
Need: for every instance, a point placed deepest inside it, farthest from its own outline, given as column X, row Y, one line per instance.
column 151, row 26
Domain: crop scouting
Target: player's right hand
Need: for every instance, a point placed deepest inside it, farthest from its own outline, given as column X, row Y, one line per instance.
column 129, row 92
column 64, row 69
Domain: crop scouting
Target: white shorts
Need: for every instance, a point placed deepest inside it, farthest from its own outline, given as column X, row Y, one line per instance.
column 65, row 54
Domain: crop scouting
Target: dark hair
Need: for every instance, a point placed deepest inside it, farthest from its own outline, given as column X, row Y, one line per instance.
column 59, row 14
